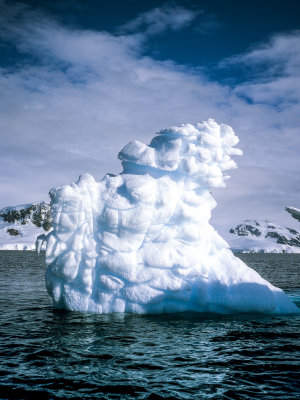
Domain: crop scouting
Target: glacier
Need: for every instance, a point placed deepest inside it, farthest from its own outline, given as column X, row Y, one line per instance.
column 141, row 242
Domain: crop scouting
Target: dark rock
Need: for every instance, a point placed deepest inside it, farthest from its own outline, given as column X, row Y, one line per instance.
column 13, row 232
column 283, row 240
column 245, row 230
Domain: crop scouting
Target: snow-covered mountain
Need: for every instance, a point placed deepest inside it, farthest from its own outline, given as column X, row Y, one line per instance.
column 253, row 236
column 20, row 225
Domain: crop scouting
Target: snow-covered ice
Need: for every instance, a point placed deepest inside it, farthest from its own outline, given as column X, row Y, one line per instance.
column 141, row 241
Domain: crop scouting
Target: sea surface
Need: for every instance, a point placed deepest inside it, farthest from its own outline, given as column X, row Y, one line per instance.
column 47, row 354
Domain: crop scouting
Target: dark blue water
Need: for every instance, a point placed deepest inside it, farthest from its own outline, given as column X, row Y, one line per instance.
column 47, row 354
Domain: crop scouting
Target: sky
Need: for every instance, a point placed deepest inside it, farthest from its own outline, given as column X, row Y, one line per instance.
column 79, row 80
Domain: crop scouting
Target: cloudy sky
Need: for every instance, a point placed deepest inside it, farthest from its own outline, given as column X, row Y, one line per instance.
column 79, row 80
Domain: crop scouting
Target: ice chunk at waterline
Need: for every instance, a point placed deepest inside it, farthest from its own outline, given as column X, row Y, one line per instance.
column 141, row 241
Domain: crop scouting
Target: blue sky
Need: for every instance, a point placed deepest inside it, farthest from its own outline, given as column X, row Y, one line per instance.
column 81, row 79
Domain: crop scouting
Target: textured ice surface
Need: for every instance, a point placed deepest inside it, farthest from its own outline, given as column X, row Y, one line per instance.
column 141, row 241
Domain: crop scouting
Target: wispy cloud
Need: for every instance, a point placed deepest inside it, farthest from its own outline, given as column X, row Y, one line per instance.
column 275, row 68
column 83, row 94
column 171, row 17
column 278, row 55
column 157, row 20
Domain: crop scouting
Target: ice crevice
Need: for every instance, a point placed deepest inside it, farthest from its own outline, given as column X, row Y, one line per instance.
column 141, row 241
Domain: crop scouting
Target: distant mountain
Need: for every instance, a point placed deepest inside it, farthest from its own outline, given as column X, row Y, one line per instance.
column 20, row 225
column 253, row 236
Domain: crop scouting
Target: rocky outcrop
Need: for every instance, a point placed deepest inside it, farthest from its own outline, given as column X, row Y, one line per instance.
column 295, row 212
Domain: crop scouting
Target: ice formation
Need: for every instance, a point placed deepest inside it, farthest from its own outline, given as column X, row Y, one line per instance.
column 141, row 241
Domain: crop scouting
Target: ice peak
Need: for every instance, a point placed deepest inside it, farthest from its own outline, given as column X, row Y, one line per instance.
column 202, row 151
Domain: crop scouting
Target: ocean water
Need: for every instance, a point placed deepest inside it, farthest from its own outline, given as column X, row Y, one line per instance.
column 47, row 354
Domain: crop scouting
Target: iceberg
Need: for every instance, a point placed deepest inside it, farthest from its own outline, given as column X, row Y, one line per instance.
column 141, row 242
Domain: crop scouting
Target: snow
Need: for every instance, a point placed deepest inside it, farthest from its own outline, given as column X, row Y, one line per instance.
column 24, row 241
column 26, row 231
column 141, row 241
column 18, row 207
column 254, row 236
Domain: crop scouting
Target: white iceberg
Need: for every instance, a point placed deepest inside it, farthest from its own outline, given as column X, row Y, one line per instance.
column 141, row 241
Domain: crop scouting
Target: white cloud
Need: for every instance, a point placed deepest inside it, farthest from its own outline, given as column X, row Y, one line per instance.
column 279, row 55
column 92, row 92
column 277, row 70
